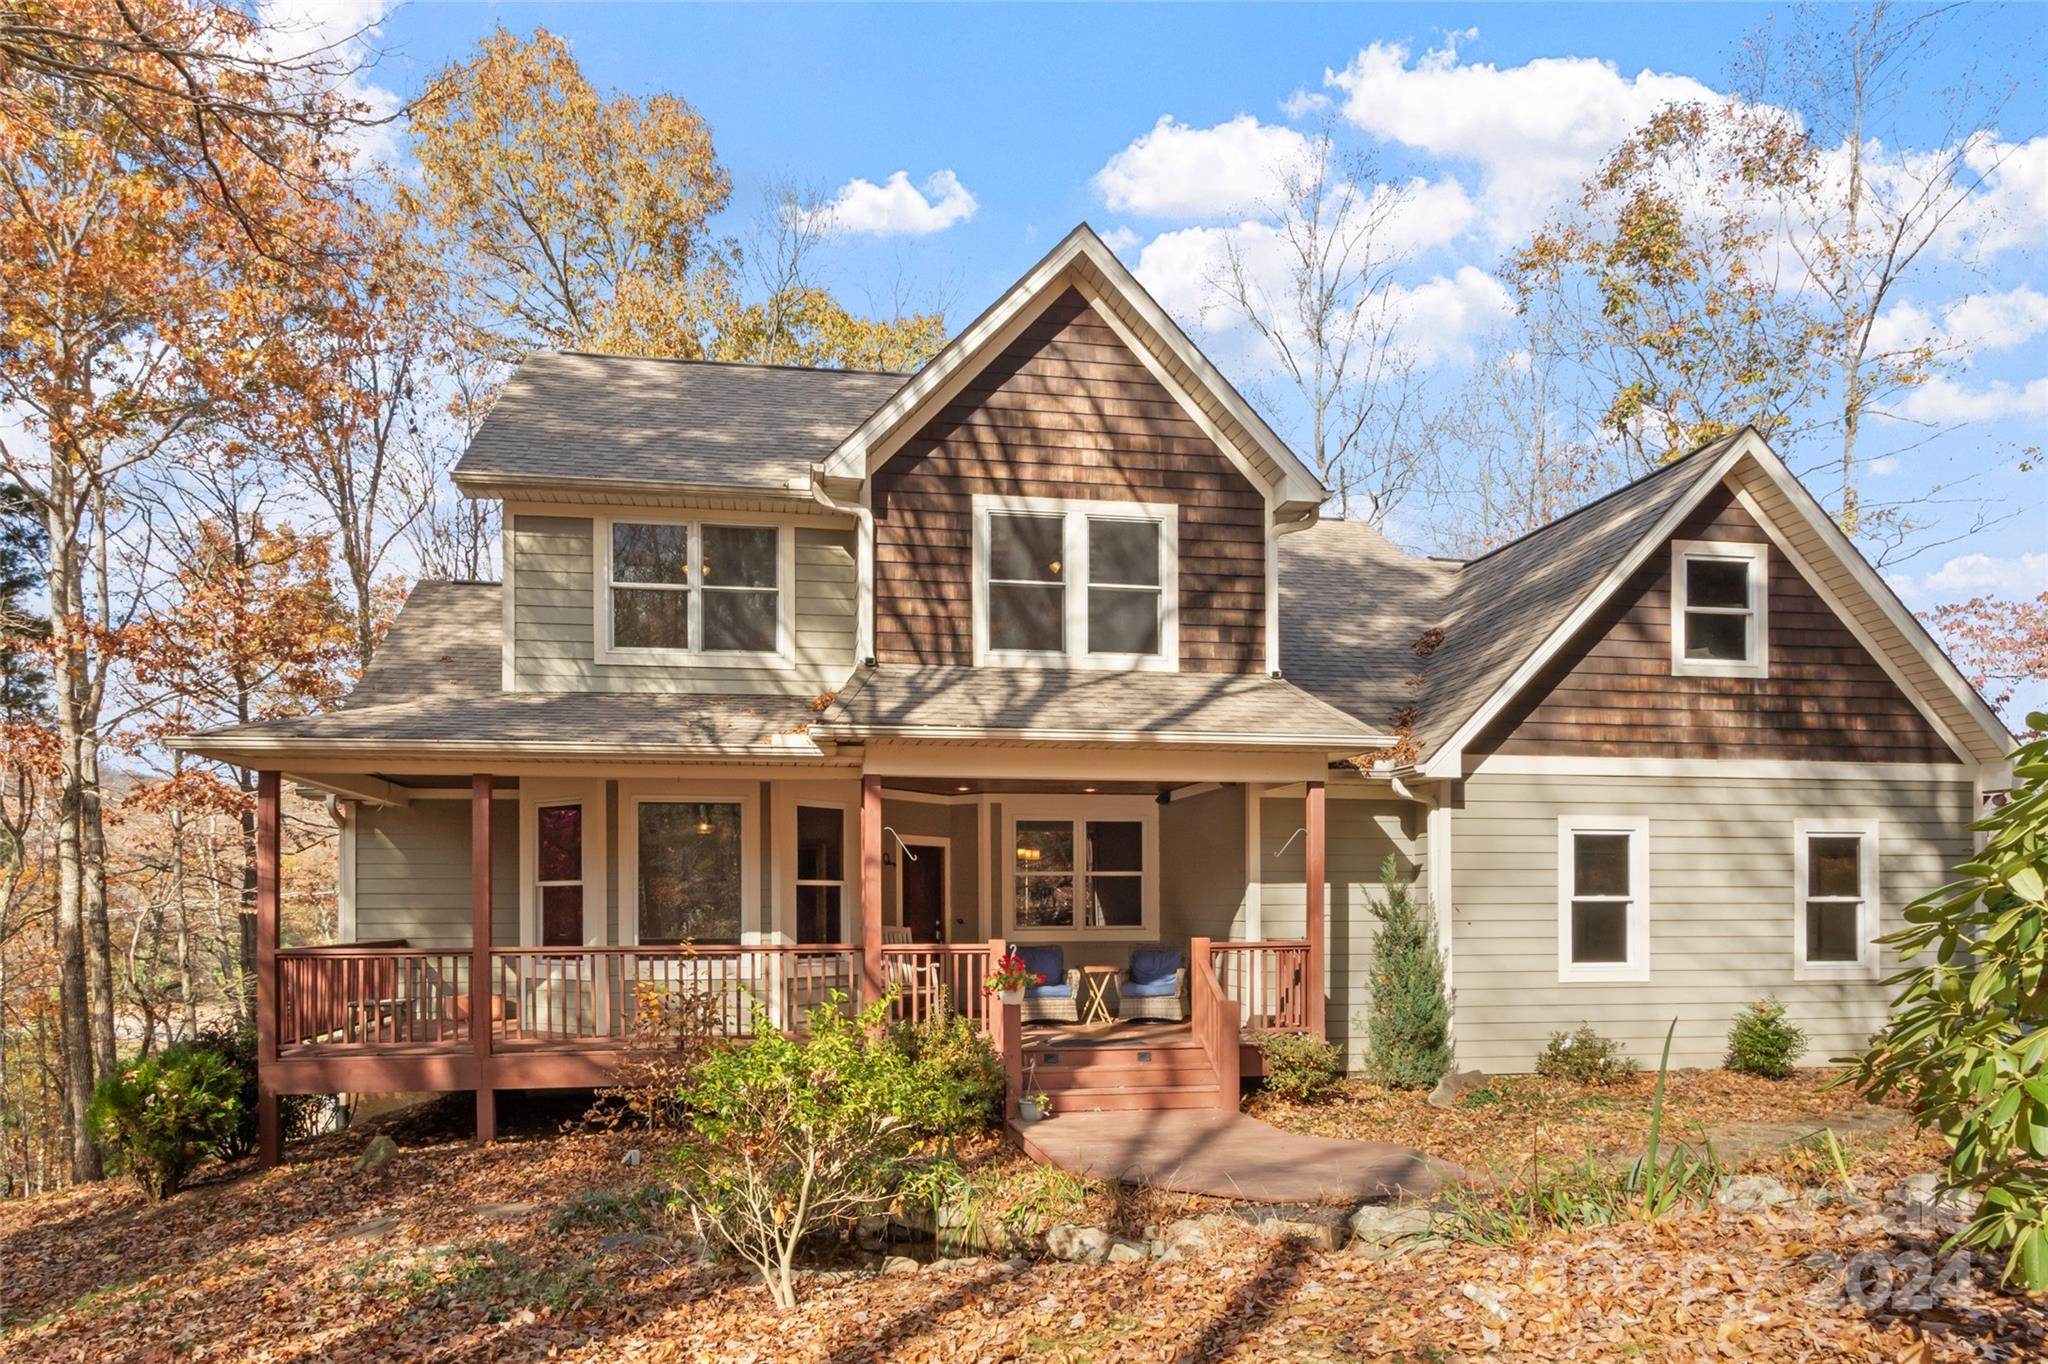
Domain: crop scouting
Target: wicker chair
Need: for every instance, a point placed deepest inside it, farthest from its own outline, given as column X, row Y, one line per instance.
column 1059, row 999
column 1155, row 985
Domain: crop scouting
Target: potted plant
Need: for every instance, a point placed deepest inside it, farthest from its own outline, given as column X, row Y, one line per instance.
column 1035, row 1108
column 1009, row 979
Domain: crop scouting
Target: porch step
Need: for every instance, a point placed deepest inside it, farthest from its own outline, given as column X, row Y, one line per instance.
column 1145, row 1098
column 1178, row 1070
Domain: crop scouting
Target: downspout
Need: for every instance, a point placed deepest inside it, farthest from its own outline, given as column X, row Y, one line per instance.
column 1307, row 520
column 1437, row 857
column 863, row 570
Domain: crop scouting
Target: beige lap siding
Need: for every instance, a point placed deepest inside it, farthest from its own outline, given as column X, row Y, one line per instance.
column 1360, row 836
column 412, row 873
column 1721, row 907
column 554, row 626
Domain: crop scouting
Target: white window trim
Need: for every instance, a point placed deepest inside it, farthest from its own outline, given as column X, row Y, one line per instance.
column 1866, row 965
column 1637, row 967
column 849, row 868
column 1079, row 810
column 945, row 845
column 535, row 792
column 784, row 653
column 784, row 797
column 1075, row 513
column 1757, row 556
column 634, row 794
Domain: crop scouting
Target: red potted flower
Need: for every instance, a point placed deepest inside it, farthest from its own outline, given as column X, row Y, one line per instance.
column 1010, row 978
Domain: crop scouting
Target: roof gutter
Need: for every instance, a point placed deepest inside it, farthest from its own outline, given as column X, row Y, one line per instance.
column 511, row 487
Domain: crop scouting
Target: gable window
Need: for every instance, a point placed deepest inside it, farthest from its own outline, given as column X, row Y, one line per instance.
column 672, row 589
column 1078, row 584
column 1834, row 927
column 1083, row 865
column 1720, row 602
column 1603, row 907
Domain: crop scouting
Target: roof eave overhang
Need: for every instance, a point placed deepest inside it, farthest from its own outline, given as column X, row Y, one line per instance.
column 550, row 488
column 968, row 735
column 259, row 750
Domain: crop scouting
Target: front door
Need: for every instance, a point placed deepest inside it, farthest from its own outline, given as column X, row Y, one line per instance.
column 924, row 893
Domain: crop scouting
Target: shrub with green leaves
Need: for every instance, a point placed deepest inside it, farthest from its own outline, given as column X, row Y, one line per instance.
column 1585, row 1056
column 299, row 1115
column 953, row 1079
column 1762, row 1043
column 794, row 1134
column 1408, row 1024
column 1967, row 1040
column 1300, row 1066
column 159, row 1117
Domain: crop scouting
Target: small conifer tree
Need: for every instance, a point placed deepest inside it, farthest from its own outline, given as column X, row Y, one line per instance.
column 1408, row 1031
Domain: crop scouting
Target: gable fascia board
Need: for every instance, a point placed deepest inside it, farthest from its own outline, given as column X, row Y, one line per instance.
column 551, row 488
column 875, row 439
column 1448, row 761
column 1910, row 630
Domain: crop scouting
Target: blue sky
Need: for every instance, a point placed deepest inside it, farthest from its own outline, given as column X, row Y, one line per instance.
column 1010, row 124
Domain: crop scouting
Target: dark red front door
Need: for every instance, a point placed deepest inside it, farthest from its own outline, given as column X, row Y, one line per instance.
column 924, row 894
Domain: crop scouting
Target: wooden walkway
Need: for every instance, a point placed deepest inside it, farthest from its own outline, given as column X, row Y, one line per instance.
column 1230, row 1155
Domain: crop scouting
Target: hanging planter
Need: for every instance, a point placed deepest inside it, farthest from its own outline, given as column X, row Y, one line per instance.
column 1010, row 978
column 1015, row 996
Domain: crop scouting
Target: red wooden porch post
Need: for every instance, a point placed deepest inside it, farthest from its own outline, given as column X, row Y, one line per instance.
column 870, row 889
column 480, row 952
column 1317, row 934
column 269, row 1137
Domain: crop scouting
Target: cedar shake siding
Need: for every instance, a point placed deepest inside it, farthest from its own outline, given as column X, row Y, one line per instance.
column 1612, row 692
column 1065, row 411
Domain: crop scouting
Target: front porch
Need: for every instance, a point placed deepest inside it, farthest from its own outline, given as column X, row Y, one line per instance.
column 381, row 1015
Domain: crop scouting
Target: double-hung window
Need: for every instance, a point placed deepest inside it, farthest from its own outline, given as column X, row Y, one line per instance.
column 1720, row 601
column 820, row 874
column 1078, row 584
column 1086, row 868
column 1834, row 913
column 1603, row 899
column 695, row 589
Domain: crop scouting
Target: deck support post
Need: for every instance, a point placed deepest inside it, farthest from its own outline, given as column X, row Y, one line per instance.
column 870, row 889
column 269, row 853
column 480, row 952
column 1006, row 1035
column 1316, row 930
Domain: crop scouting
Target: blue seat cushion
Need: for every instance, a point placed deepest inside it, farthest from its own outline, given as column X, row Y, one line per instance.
column 1146, row 989
column 1150, row 964
column 1048, row 992
column 1048, row 960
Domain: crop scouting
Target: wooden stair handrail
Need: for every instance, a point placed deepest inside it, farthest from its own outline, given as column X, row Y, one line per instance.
column 1216, row 1022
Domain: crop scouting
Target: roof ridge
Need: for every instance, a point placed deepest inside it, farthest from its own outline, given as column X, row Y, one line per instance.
column 726, row 364
column 1609, row 495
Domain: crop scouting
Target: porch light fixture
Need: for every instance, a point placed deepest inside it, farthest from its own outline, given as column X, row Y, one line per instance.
column 703, row 826
column 962, row 789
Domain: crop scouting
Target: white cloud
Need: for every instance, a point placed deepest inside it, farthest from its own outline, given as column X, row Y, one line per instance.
column 1974, row 322
column 897, row 208
column 1884, row 466
column 1120, row 239
column 341, row 34
column 1979, row 575
column 1175, row 171
column 1302, row 103
column 2011, row 210
column 1534, row 131
column 1943, row 402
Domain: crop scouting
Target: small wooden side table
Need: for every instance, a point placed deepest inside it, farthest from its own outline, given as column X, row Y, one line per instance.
column 1096, row 980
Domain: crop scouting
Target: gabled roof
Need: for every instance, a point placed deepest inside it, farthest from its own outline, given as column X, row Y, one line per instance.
column 1360, row 619
column 941, row 703
column 433, row 691
column 572, row 417
column 1083, row 261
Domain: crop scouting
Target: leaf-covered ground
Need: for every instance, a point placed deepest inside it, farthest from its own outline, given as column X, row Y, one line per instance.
column 539, row 1247
column 1500, row 1125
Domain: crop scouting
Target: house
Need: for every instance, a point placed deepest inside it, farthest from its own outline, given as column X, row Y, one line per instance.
column 801, row 681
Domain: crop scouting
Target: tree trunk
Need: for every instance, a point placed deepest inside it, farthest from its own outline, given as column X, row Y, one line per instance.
column 92, row 835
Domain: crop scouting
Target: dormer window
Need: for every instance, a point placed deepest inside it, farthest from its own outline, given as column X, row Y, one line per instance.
column 1720, row 602
column 1074, row 584
column 691, row 590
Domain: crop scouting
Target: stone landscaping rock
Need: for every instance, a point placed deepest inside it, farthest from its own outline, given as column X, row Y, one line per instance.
column 1122, row 1251
column 1752, row 1193
column 1190, row 1236
column 632, row 1160
column 1317, row 1232
column 381, row 1151
column 375, row 1229
column 506, row 1212
column 1455, row 1086
column 899, row 1264
column 1919, row 1204
column 1068, row 1242
column 1380, row 1224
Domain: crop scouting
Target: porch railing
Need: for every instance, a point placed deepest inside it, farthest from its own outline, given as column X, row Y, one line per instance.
column 372, row 998
column 551, row 997
column 937, row 976
column 1269, row 980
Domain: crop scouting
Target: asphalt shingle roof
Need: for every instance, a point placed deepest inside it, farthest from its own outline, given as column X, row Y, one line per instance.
column 571, row 416
column 947, row 702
